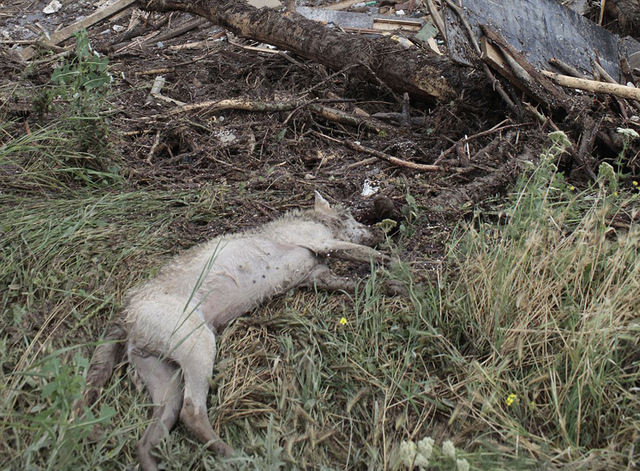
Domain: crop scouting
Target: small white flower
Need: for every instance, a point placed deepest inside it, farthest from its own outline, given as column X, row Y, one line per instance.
column 421, row 461
column 448, row 449
column 560, row 139
column 408, row 451
column 628, row 133
column 425, row 447
column 462, row 465
column 607, row 175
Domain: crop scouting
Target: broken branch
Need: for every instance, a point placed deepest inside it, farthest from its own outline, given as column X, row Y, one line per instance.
column 382, row 155
column 330, row 114
column 621, row 91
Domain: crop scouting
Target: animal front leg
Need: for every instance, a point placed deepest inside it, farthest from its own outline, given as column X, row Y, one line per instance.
column 324, row 279
column 349, row 251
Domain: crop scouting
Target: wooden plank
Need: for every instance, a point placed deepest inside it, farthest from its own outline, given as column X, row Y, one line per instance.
column 391, row 24
column 68, row 31
column 493, row 56
column 541, row 88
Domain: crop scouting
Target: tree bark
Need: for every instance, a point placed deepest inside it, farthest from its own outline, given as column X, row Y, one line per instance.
column 422, row 74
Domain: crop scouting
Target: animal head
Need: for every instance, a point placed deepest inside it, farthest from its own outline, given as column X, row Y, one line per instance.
column 343, row 225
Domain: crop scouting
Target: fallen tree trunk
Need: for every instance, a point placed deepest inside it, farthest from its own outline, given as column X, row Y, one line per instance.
column 421, row 74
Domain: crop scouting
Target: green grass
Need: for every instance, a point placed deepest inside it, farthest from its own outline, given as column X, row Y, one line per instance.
column 523, row 351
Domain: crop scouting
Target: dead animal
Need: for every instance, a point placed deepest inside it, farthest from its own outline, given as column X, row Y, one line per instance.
column 170, row 321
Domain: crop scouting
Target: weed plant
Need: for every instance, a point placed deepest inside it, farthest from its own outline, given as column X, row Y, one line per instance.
column 69, row 147
column 78, row 94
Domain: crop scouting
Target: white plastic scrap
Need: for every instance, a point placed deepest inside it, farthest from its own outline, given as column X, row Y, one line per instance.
column 53, row 7
column 370, row 188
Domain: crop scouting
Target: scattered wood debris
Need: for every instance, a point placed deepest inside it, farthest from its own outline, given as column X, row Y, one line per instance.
column 540, row 56
column 65, row 33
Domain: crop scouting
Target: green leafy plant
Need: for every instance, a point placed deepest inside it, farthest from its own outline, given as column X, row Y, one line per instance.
column 411, row 213
column 78, row 94
column 57, row 435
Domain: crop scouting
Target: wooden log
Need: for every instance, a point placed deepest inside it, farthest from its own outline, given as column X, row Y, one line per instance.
column 423, row 75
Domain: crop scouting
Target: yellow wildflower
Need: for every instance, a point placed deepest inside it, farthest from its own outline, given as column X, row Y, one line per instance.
column 343, row 321
column 511, row 398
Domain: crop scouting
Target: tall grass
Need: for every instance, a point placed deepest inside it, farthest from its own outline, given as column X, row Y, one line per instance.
column 545, row 309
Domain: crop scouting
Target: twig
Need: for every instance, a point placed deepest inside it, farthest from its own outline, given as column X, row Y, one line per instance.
column 473, row 137
column 406, row 113
column 193, row 24
column 315, row 107
column 166, row 70
column 362, row 163
column 154, row 147
column 602, row 5
column 381, row 155
column 566, row 68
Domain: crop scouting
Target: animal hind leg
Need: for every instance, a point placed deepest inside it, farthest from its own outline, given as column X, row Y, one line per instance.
column 162, row 380
column 195, row 353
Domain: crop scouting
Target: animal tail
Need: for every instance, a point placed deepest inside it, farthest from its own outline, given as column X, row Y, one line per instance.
column 103, row 362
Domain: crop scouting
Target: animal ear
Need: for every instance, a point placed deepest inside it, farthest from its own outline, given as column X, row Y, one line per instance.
column 321, row 205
